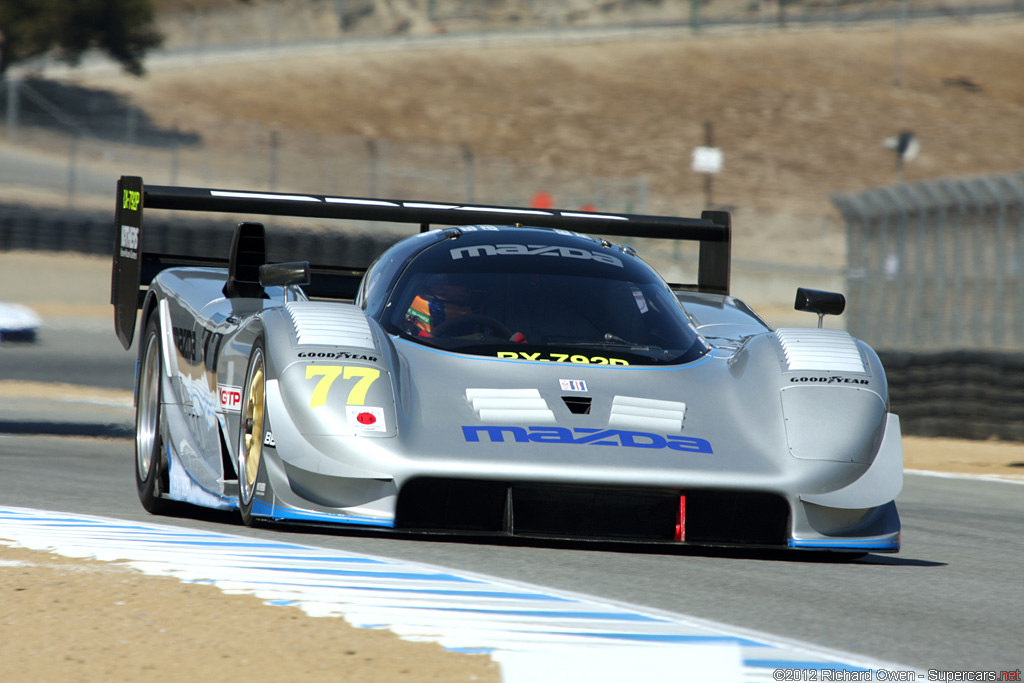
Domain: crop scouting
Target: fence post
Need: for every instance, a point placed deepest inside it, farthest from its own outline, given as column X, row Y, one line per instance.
column 253, row 156
column 999, row 254
column 371, row 151
column 273, row 159
column 72, row 170
column 469, row 172
column 942, row 241
column 1016, row 186
column 12, row 84
column 980, row 295
column 174, row 157
column 131, row 125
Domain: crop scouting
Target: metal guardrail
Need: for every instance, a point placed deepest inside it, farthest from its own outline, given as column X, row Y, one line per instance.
column 937, row 265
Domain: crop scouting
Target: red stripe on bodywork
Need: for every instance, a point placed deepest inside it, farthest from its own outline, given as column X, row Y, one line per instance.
column 681, row 519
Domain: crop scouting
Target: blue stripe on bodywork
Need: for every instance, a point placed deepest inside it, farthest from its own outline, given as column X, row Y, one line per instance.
column 264, row 509
column 647, row 368
column 846, row 543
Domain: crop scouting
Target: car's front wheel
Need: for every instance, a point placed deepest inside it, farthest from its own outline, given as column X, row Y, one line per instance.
column 150, row 464
column 251, row 433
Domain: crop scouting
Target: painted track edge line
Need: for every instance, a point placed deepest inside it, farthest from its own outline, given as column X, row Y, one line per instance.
column 795, row 647
column 1003, row 479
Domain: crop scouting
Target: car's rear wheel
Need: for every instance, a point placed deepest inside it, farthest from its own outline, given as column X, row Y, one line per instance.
column 251, row 433
column 151, row 477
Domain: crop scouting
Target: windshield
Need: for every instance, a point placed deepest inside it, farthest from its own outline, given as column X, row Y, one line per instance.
column 542, row 298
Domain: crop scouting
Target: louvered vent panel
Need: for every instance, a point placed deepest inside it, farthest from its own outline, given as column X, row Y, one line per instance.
column 820, row 350
column 328, row 324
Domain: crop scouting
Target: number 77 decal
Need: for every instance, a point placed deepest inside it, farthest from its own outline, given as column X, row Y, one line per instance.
column 329, row 373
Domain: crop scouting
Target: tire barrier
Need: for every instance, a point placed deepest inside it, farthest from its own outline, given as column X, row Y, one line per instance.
column 43, row 229
column 33, row 229
column 959, row 394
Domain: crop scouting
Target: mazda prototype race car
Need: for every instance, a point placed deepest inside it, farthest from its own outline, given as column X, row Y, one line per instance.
column 511, row 375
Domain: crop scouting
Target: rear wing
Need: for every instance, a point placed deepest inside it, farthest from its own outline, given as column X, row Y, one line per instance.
column 134, row 269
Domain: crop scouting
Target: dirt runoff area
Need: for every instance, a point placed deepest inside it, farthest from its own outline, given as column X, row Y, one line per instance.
column 65, row 619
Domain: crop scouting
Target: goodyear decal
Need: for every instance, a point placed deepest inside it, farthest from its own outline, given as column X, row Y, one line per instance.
column 582, row 436
column 829, row 380
column 576, row 358
column 338, row 355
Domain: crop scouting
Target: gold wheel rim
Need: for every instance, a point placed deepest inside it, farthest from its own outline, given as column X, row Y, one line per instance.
column 252, row 441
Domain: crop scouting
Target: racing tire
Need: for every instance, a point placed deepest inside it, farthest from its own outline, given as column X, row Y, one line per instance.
column 151, row 468
column 251, row 433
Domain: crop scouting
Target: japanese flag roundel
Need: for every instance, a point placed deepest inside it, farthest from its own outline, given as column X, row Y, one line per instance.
column 366, row 419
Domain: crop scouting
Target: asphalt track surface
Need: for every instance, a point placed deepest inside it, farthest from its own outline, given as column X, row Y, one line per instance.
column 951, row 600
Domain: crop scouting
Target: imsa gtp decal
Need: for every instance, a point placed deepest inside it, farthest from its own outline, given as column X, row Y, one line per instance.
column 230, row 398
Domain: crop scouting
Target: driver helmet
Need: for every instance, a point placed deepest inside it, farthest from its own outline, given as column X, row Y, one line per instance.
column 441, row 298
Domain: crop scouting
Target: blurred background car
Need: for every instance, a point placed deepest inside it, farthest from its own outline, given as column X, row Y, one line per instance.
column 18, row 323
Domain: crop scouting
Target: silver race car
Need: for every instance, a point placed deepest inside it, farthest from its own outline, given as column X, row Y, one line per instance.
column 495, row 378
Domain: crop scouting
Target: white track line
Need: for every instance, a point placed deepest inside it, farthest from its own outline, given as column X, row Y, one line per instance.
column 536, row 634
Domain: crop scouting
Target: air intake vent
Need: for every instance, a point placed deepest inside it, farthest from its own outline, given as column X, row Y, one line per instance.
column 510, row 406
column 328, row 324
column 820, row 350
column 646, row 414
column 577, row 405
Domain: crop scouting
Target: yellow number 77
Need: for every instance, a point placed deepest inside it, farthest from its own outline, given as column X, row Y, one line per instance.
column 329, row 373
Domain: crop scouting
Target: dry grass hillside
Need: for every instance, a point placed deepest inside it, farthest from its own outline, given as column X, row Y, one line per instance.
column 798, row 113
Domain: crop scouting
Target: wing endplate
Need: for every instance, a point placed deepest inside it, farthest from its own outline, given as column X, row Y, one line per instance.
column 127, row 265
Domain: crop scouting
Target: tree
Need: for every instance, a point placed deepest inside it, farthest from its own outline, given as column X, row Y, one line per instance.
column 124, row 29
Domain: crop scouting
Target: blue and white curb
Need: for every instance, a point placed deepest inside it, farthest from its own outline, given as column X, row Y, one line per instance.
column 535, row 634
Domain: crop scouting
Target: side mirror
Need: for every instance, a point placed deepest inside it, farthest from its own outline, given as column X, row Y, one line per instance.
column 284, row 274
column 817, row 301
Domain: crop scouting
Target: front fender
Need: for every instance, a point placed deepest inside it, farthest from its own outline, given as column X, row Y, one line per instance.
column 335, row 369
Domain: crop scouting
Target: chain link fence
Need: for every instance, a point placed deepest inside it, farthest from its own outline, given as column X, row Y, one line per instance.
column 94, row 133
column 937, row 266
column 274, row 22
